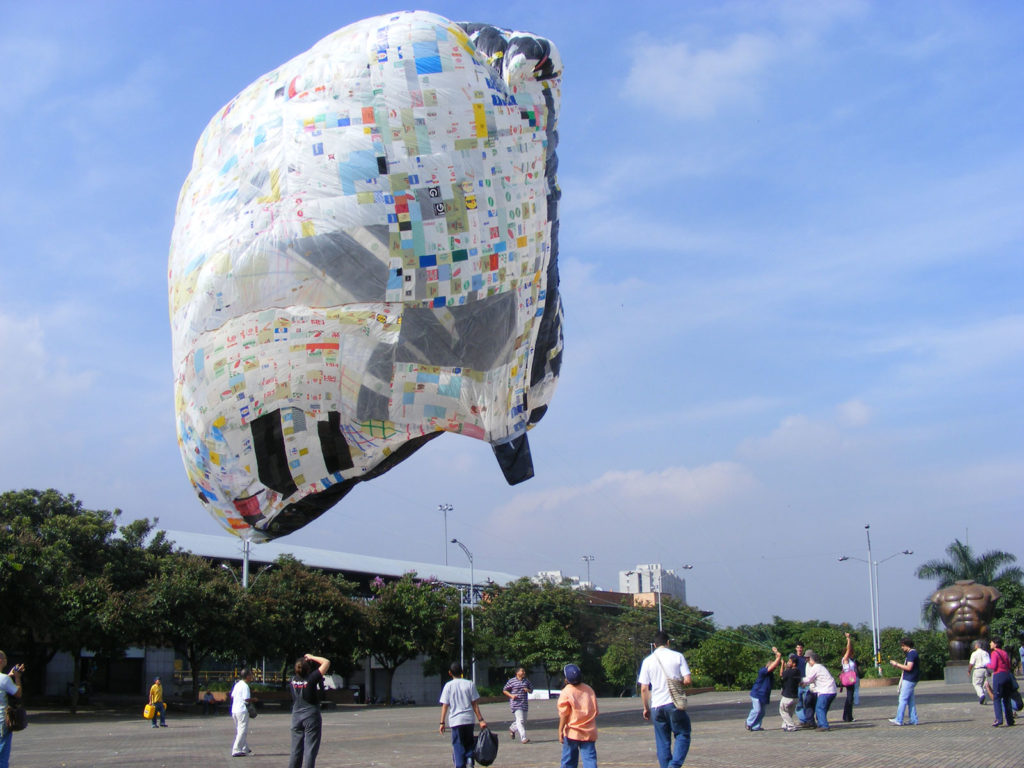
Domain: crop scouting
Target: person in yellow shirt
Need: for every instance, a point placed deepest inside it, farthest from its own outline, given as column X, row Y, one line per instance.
column 577, row 720
column 156, row 698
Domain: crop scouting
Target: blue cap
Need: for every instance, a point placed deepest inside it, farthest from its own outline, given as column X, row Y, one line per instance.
column 572, row 674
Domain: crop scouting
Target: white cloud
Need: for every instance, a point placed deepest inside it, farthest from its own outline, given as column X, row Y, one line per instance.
column 34, row 65
column 936, row 356
column 854, row 413
column 696, row 84
column 678, row 493
column 33, row 373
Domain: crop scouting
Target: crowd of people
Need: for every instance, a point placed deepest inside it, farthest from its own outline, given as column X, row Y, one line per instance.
column 807, row 690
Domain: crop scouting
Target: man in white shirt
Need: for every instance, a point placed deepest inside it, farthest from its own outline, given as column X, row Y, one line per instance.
column 979, row 674
column 240, row 696
column 668, row 721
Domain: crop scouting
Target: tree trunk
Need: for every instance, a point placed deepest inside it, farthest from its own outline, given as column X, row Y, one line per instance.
column 193, row 662
column 76, row 680
column 389, row 677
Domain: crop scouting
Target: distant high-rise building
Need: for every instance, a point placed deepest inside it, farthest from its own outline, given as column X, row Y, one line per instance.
column 651, row 577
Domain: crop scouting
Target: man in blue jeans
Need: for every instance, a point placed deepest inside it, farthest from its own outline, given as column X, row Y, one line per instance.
column 911, row 674
column 669, row 722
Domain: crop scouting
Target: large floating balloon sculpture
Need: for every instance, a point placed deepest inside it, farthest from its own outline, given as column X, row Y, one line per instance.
column 364, row 258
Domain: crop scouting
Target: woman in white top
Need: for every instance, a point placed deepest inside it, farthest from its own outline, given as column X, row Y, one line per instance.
column 849, row 673
column 980, row 677
column 824, row 685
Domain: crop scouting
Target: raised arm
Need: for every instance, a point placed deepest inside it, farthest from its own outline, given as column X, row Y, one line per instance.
column 777, row 661
column 849, row 648
column 324, row 663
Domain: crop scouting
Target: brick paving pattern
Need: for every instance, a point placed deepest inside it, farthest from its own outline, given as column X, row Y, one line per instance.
column 955, row 732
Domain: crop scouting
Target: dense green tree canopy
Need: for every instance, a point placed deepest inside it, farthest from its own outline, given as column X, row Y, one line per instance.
column 407, row 617
column 292, row 610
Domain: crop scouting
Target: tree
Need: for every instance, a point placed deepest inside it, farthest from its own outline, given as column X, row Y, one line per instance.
column 627, row 640
column 294, row 610
column 990, row 568
column 534, row 625
column 407, row 617
column 728, row 661
column 193, row 606
column 71, row 575
column 1008, row 622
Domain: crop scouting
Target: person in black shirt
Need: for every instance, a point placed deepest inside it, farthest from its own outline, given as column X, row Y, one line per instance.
column 306, row 719
column 790, row 692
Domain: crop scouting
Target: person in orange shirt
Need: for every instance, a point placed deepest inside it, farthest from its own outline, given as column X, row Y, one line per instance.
column 577, row 720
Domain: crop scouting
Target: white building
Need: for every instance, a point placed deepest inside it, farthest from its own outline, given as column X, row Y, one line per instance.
column 651, row 577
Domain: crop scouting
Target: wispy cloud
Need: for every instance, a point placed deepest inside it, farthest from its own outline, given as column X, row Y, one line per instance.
column 696, row 84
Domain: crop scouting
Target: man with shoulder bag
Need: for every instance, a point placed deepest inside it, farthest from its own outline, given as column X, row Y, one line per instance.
column 662, row 677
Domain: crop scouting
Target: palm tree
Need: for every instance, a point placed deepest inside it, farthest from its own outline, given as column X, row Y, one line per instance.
column 988, row 568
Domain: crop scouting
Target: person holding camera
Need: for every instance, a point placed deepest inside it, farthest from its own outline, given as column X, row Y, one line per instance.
column 10, row 685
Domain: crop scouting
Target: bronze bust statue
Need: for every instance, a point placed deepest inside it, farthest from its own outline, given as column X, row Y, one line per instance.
column 966, row 609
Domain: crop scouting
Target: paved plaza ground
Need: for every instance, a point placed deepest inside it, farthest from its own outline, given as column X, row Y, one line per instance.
column 955, row 732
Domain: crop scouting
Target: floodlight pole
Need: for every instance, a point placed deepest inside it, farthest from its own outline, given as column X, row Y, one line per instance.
column 588, row 559
column 445, row 509
column 876, row 634
column 472, row 596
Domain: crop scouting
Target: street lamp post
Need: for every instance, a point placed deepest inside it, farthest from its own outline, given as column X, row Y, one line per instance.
column 876, row 636
column 588, row 559
column 472, row 596
column 445, row 508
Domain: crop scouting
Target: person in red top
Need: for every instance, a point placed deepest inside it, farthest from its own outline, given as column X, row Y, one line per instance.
column 577, row 720
column 1002, row 682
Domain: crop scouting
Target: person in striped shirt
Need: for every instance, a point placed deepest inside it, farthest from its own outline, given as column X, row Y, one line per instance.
column 518, row 690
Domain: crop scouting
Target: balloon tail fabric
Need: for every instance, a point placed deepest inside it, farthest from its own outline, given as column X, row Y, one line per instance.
column 364, row 257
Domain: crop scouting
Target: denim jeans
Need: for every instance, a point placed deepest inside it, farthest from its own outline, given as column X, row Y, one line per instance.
column 161, row 709
column 572, row 749
column 462, row 744
column 5, row 746
column 907, row 703
column 821, row 708
column 801, row 697
column 668, row 722
column 756, row 714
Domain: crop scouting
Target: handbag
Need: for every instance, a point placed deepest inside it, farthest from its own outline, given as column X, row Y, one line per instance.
column 251, row 709
column 848, row 678
column 675, row 687
column 486, row 749
column 15, row 716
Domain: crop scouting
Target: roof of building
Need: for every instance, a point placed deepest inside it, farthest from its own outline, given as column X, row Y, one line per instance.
column 229, row 547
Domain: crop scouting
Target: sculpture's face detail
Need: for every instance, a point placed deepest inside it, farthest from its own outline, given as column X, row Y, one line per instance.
column 365, row 257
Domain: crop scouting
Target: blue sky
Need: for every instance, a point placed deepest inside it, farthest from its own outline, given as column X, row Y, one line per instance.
column 791, row 253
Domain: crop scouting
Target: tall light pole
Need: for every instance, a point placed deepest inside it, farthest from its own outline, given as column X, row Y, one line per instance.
column 472, row 596
column 876, row 637
column 588, row 559
column 445, row 508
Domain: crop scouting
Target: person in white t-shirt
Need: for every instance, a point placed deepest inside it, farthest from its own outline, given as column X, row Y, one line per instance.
column 459, row 703
column 668, row 721
column 240, row 696
column 981, row 678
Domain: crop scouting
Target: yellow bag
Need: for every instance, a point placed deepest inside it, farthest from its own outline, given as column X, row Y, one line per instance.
column 149, row 712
